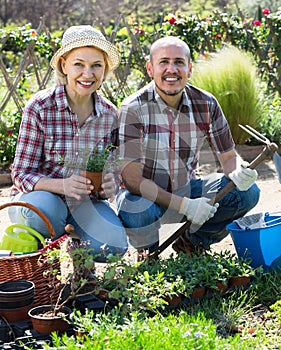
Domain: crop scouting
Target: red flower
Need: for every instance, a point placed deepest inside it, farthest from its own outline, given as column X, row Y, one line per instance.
column 9, row 132
column 33, row 32
column 139, row 31
column 257, row 23
column 266, row 11
column 172, row 20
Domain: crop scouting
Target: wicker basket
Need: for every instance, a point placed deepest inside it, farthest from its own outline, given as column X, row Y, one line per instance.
column 25, row 267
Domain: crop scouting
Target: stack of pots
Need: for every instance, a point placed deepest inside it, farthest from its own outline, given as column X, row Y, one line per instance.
column 16, row 299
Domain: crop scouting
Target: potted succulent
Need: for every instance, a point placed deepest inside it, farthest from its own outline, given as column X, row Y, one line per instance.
column 73, row 278
column 99, row 160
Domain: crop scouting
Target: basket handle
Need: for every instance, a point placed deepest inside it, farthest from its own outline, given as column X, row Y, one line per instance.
column 36, row 210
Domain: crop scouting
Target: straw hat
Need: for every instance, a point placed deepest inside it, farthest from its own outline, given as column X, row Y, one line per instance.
column 86, row 35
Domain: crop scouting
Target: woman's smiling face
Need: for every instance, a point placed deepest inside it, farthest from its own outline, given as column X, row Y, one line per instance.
column 84, row 68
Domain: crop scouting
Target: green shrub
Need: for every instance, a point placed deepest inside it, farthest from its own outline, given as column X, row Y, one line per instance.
column 9, row 128
column 270, row 122
column 231, row 76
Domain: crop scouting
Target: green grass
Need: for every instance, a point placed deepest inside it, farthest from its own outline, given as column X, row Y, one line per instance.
column 171, row 332
column 231, row 76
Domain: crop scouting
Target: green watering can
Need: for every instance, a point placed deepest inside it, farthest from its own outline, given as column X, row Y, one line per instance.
column 21, row 239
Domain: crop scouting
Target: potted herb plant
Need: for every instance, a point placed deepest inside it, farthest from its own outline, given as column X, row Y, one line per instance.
column 240, row 271
column 74, row 276
column 99, row 160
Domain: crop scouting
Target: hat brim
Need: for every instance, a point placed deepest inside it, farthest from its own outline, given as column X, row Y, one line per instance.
column 103, row 45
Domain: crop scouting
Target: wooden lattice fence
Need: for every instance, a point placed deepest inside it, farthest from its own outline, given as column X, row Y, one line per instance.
column 30, row 64
column 36, row 68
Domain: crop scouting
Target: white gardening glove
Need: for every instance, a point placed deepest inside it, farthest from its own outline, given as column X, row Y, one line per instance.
column 243, row 177
column 198, row 210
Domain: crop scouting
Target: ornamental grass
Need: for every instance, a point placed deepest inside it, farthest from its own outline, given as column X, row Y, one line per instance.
column 231, row 76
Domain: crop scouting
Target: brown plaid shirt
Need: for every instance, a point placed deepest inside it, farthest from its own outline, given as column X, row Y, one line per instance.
column 167, row 142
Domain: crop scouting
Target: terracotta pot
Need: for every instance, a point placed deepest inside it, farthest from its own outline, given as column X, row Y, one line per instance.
column 174, row 300
column 95, row 177
column 221, row 287
column 16, row 299
column 16, row 314
column 104, row 294
column 198, row 292
column 239, row 281
column 46, row 324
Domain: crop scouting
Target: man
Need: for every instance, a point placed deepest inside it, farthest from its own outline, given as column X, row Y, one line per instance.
column 162, row 129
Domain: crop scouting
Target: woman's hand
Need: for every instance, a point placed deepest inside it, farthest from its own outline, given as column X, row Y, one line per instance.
column 77, row 187
column 109, row 186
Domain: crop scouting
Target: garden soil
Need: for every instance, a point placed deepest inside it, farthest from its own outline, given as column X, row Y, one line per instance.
column 270, row 200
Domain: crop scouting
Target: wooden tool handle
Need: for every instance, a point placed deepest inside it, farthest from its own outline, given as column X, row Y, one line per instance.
column 267, row 151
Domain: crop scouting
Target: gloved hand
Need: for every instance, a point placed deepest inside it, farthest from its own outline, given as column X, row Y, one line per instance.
column 198, row 210
column 243, row 177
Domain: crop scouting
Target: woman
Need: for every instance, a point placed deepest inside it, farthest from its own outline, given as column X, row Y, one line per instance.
column 60, row 123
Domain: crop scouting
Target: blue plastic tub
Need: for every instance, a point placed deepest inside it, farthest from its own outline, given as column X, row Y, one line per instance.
column 261, row 245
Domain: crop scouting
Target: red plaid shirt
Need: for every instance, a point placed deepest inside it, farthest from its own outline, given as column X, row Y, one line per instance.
column 167, row 142
column 50, row 133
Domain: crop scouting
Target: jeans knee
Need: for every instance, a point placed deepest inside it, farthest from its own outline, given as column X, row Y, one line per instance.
column 135, row 211
column 250, row 198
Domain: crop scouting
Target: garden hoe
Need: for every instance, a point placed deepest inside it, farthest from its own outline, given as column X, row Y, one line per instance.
column 268, row 151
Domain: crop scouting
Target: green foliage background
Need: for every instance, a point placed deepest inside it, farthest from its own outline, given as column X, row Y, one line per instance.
column 260, row 37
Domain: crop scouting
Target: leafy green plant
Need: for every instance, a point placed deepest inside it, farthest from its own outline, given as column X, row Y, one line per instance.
column 270, row 122
column 101, row 157
column 234, row 266
column 116, row 276
column 82, row 322
column 149, row 292
column 75, row 273
column 9, row 128
column 276, row 307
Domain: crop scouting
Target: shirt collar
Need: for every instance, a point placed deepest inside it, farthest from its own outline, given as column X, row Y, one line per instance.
column 60, row 98
column 162, row 105
column 62, row 102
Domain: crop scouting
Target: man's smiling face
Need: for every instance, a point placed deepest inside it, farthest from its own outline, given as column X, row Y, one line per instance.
column 170, row 68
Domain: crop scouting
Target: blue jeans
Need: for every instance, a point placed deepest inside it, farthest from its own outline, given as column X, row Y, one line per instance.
column 94, row 221
column 142, row 218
